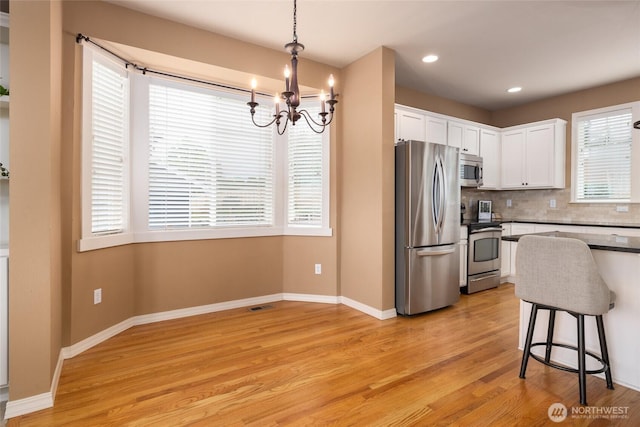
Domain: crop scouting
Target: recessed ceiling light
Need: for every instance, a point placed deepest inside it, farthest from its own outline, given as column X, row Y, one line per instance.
column 514, row 89
column 430, row 58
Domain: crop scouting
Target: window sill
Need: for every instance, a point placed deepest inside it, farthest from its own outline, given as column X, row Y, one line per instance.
column 101, row 242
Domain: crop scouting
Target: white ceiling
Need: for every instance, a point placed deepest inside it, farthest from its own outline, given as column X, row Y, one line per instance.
column 485, row 47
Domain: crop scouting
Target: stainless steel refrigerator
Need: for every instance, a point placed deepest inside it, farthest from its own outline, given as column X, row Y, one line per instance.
column 427, row 226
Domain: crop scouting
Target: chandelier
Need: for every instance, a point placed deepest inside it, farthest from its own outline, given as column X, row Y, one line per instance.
column 291, row 95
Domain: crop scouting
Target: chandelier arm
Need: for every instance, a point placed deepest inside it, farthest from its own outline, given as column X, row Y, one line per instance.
column 309, row 120
column 284, row 129
column 325, row 122
column 275, row 118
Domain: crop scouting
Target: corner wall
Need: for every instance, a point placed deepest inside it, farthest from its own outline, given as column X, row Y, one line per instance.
column 367, row 170
column 35, row 305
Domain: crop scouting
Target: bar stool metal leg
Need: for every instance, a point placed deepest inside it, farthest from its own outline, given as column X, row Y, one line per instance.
column 604, row 352
column 552, row 322
column 527, row 344
column 582, row 375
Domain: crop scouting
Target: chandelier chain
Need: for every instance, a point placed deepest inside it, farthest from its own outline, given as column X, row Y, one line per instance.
column 295, row 22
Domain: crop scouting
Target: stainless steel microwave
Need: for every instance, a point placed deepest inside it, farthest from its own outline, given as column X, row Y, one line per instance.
column 470, row 170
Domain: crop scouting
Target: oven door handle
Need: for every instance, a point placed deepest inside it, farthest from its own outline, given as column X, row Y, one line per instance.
column 484, row 230
column 435, row 252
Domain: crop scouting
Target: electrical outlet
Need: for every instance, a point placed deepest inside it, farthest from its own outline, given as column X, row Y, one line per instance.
column 97, row 296
column 508, row 203
column 318, row 268
column 552, row 203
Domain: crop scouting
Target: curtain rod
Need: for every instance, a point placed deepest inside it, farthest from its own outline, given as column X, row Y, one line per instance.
column 81, row 37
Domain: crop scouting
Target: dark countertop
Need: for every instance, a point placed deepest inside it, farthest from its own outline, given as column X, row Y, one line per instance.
column 569, row 222
column 604, row 242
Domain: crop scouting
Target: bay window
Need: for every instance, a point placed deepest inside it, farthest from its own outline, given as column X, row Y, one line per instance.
column 168, row 160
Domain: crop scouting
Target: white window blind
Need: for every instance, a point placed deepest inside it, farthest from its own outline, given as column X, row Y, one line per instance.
column 209, row 166
column 305, row 175
column 604, row 156
column 109, row 149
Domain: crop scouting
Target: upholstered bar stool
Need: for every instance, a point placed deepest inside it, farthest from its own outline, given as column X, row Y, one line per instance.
column 560, row 274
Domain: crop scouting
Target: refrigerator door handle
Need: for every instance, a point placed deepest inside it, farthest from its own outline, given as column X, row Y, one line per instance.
column 436, row 252
column 435, row 197
column 443, row 194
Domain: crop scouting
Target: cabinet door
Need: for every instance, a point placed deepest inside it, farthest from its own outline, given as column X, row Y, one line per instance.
column 455, row 133
column 464, row 246
column 513, row 150
column 539, row 154
column 471, row 140
column 436, row 130
column 412, row 126
column 490, row 153
column 4, row 324
column 505, row 256
column 516, row 229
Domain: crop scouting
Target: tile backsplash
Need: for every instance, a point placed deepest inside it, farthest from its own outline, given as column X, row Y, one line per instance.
column 535, row 204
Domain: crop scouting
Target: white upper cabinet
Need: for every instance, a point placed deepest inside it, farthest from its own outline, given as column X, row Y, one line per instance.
column 533, row 156
column 464, row 136
column 436, row 129
column 410, row 126
column 518, row 157
column 455, row 133
column 490, row 153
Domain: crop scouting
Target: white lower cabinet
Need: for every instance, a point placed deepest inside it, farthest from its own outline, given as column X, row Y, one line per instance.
column 464, row 251
column 4, row 294
column 517, row 228
column 505, row 255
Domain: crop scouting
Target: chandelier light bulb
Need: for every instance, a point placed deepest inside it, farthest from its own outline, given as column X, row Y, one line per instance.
column 254, row 84
column 287, row 72
column 331, row 83
column 276, row 101
column 322, row 99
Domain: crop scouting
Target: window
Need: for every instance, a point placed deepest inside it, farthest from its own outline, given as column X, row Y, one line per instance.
column 306, row 169
column 603, row 156
column 196, row 167
column 105, row 147
column 208, row 165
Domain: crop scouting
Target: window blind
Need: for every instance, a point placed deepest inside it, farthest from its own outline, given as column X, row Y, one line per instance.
column 109, row 148
column 209, row 166
column 604, row 156
column 305, row 175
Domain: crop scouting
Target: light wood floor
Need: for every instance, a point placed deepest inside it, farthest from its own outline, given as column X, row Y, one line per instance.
column 321, row 364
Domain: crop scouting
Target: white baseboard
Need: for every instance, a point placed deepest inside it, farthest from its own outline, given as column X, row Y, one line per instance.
column 378, row 314
column 322, row 299
column 45, row 400
column 27, row 405
column 39, row 402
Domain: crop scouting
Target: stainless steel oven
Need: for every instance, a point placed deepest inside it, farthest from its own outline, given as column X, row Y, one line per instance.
column 483, row 264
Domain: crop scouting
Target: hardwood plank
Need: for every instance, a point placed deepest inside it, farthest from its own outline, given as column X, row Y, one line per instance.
column 319, row 364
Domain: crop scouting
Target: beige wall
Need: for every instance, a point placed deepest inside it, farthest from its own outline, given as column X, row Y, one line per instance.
column 436, row 104
column 35, row 260
column 366, row 248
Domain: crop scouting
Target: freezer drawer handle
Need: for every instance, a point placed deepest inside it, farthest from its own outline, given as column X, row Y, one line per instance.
column 437, row 252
